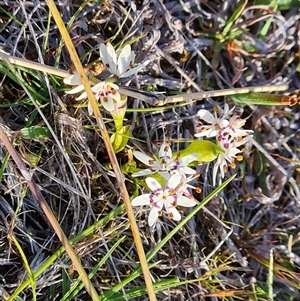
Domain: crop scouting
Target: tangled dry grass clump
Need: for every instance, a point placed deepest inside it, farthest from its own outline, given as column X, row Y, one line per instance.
column 243, row 245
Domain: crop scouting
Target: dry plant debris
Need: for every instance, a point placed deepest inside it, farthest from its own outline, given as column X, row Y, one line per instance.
column 243, row 245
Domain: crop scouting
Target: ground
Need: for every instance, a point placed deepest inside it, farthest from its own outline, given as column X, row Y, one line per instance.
column 242, row 245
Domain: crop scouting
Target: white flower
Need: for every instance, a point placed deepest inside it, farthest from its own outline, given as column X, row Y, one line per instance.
column 161, row 198
column 165, row 165
column 231, row 151
column 216, row 123
column 105, row 91
column 234, row 129
column 120, row 64
column 162, row 165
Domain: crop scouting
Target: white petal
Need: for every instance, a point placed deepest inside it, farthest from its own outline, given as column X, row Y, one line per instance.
column 103, row 54
column 153, row 216
column 124, row 60
column 76, row 90
column 108, row 103
column 186, row 202
column 144, row 172
column 211, row 133
column 141, row 200
column 232, row 152
column 109, row 57
column 174, row 181
column 144, row 158
column 72, row 79
column 165, row 174
column 226, row 111
column 135, row 69
column 90, row 109
column 175, row 213
column 165, row 151
column 215, row 169
column 116, row 87
column 82, row 96
column 187, row 170
column 153, row 185
column 223, row 123
column 99, row 87
column 116, row 96
column 188, row 159
column 201, row 134
column 226, row 108
column 206, row 116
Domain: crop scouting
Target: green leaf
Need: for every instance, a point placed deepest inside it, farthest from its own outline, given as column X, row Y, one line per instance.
column 35, row 132
column 207, row 151
column 282, row 4
column 232, row 19
column 120, row 139
column 265, row 99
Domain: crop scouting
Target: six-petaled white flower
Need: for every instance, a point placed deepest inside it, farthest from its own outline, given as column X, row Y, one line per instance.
column 105, row 91
column 165, row 165
column 229, row 154
column 120, row 64
column 161, row 165
column 216, row 123
column 164, row 198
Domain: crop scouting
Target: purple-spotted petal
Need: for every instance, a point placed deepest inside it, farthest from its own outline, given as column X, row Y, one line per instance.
column 173, row 182
column 153, row 185
column 165, row 151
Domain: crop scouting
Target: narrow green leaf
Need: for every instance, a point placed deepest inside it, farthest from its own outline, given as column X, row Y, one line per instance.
column 282, row 4
column 233, row 18
column 264, row 99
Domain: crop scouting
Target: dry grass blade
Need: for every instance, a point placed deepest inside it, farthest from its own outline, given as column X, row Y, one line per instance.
column 119, row 175
column 42, row 202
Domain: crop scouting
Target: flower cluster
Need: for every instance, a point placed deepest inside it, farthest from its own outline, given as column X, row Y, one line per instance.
column 229, row 136
column 120, row 64
column 176, row 174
